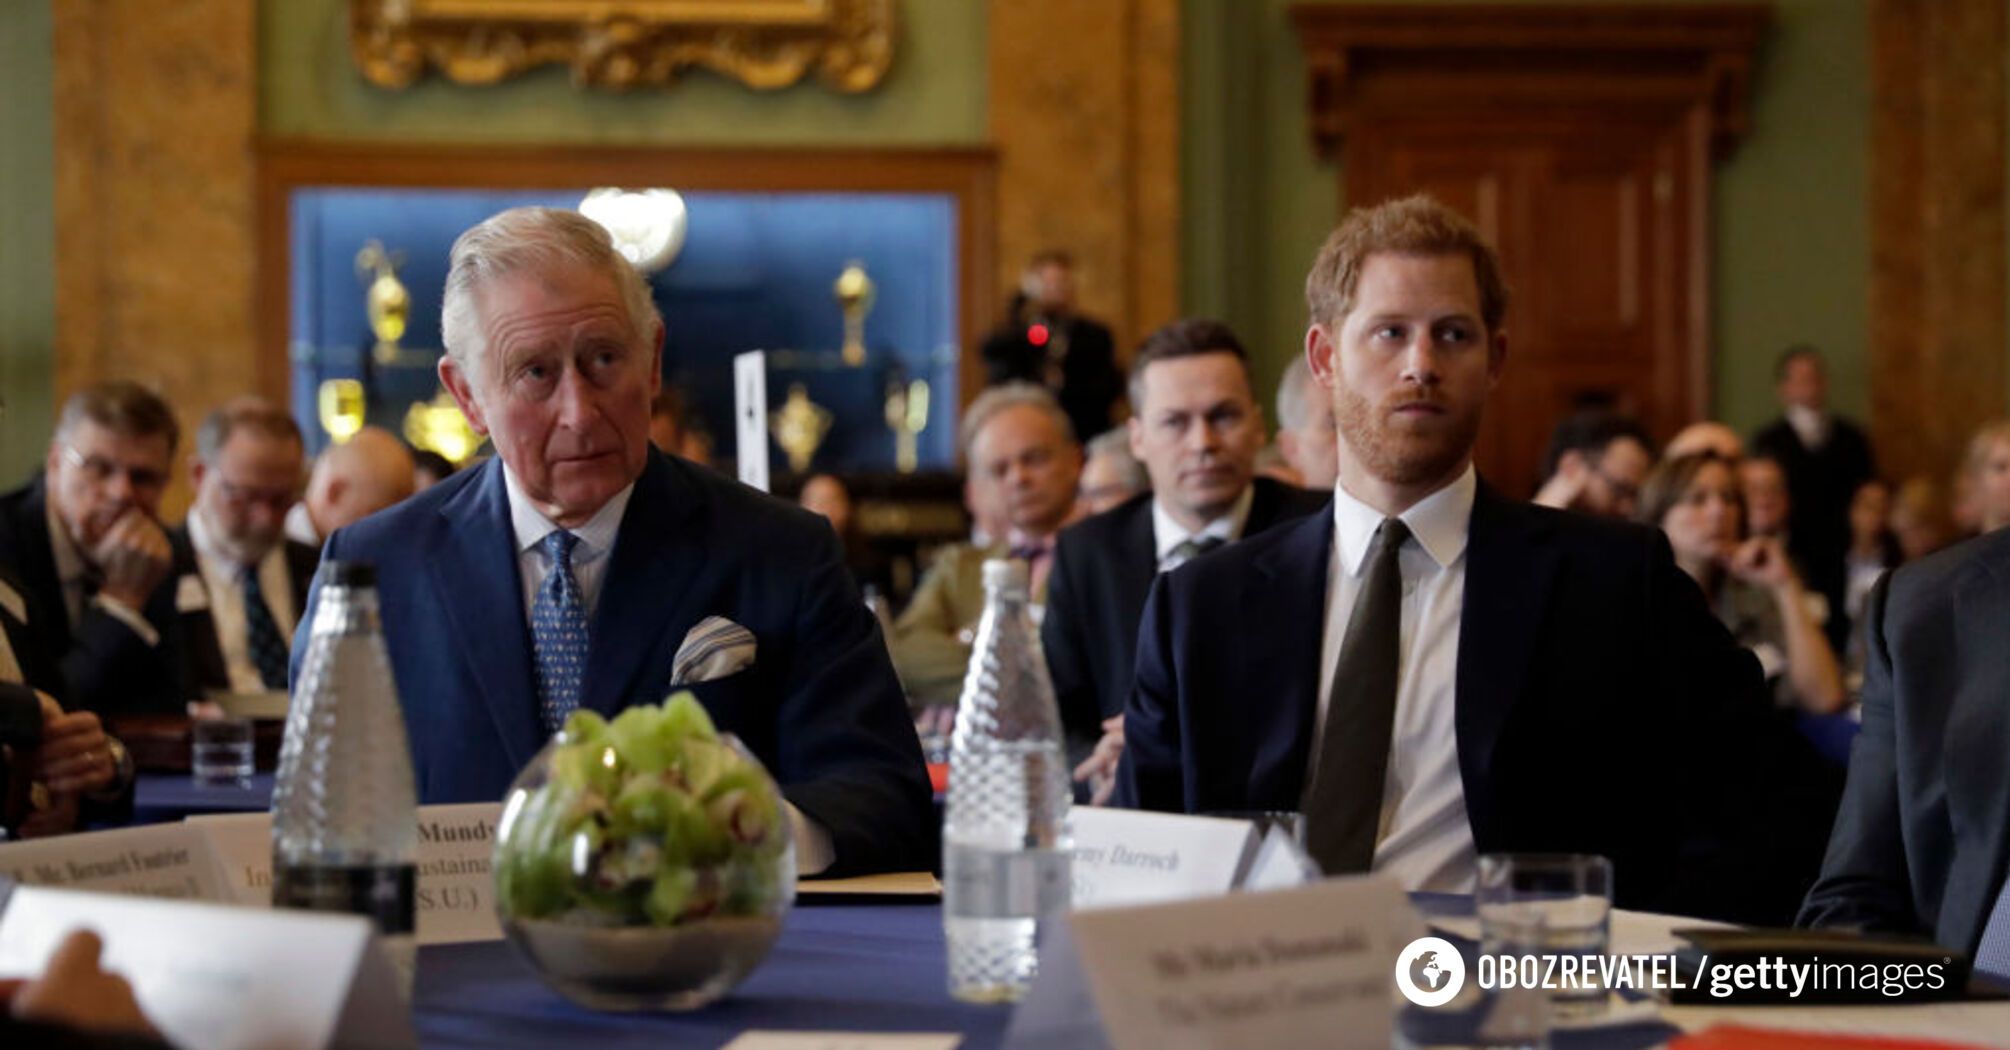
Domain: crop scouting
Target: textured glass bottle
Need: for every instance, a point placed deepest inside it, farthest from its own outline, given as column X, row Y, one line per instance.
column 1005, row 838
column 344, row 816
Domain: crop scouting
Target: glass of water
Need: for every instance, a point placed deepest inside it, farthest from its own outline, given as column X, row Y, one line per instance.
column 220, row 750
column 1541, row 905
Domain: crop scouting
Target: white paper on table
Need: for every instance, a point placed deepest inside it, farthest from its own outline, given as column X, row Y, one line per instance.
column 159, row 860
column 220, row 976
column 750, row 416
column 455, row 891
column 1127, row 856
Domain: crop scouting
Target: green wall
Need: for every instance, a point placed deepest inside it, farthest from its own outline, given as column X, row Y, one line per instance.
column 933, row 94
column 27, row 235
column 1791, row 228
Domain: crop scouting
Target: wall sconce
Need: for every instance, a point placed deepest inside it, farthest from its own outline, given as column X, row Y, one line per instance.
column 340, row 405
column 439, row 425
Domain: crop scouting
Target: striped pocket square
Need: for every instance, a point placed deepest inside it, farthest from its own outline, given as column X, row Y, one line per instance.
column 714, row 649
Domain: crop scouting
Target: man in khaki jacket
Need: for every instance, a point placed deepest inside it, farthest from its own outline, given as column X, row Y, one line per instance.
column 1016, row 439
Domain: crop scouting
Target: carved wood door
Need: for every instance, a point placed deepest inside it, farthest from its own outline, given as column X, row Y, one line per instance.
column 1583, row 158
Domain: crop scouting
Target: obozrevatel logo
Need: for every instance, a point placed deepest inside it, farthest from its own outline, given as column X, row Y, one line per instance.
column 1430, row 971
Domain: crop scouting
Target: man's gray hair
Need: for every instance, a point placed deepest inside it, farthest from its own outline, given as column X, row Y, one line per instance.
column 1115, row 445
column 1294, row 395
column 531, row 240
column 250, row 413
column 1007, row 395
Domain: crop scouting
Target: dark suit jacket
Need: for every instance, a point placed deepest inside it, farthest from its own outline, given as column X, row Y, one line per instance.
column 1820, row 484
column 1600, row 707
column 1924, row 832
column 201, row 651
column 820, row 706
column 1103, row 569
column 1090, row 381
column 108, row 668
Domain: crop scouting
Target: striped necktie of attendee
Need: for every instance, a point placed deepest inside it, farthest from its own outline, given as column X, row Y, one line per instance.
column 558, row 633
column 1188, row 549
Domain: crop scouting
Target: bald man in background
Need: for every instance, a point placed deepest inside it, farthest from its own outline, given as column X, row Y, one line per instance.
column 352, row 481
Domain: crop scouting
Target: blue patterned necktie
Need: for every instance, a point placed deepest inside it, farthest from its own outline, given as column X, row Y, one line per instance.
column 558, row 633
column 261, row 633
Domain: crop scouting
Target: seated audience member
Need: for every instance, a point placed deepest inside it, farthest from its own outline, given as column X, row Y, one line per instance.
column 1770, row 511
column 1197, row 429
column 1987, row 472
column 826, row 495
column 86, row 540
column 351, row 481
column 1750, row 582
column 1707, row 436
column 1270, row 463
column 1016, row 435
column 429, row 468
column 51, row 761
column 581, row 569
column 1763, row 487
column 1110, row 474
column 1921, row 841
column 1920, row 519
column 1873, row 551
column 242, row 583
column 1314, row 667
column 74, row 1004
column 1305, row 427
column 1596, row 461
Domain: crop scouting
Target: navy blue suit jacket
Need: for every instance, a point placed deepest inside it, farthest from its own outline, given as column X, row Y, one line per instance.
column 1600, row 707
column 820, row 707
column 1923, row 838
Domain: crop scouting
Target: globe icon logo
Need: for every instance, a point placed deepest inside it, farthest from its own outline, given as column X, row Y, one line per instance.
column 1430, row 971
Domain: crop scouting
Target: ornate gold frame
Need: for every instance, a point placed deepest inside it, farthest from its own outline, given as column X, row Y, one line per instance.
column 620, row 44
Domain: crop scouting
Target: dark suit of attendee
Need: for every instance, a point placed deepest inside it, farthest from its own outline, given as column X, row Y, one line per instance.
column 1821, row 481
column 819, row 706
column 204, row 665
column 1103, row 570
column 107, row 666
column 1923, row 836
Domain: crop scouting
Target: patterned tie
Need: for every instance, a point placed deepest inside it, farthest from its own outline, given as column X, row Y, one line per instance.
column 1343, row 809
column 1188, row 549
column 1992, row 954
column 261, row 633
column 558, row 633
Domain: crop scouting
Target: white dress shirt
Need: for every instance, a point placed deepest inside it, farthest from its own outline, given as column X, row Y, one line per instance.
column 223, row 579
column 73, row 573
column 1168, row 533
column 814, row 850
column 1810, row 426
column 1425, row 839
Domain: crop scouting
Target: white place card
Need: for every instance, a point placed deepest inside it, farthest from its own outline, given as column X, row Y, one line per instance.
column 220, row 976
column 758, row 1039
column 750, row 416
column 1311, row 966
column 1127, row 856
column 455, row 892
column 161, row 860
column 1279, row 864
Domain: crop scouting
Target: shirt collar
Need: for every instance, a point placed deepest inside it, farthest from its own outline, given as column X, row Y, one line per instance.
column 1228, row 528
column 596, row 537
column 1439, row 522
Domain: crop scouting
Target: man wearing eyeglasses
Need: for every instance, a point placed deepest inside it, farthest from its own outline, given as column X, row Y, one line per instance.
column 240, row 583
column 86, row 539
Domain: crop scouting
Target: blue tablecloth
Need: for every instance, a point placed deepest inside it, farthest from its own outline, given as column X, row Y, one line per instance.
column 863, row 968
column 162, row 797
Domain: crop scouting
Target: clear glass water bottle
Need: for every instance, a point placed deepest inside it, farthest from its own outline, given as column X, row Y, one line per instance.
column 1005, row 838
column 345, row 828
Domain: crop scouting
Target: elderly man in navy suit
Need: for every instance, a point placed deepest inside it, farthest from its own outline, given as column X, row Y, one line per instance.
column 1430, row 671
column 581, row 568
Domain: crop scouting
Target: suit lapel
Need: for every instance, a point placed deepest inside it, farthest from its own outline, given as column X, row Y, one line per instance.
column 1509, row 569
column 656, row 558
column 49, row 616
column 1978, row 736
column 471, row 553
column 1284, row 614
column 1134, row 568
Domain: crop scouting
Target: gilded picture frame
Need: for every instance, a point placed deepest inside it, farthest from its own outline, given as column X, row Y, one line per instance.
column 622, row 44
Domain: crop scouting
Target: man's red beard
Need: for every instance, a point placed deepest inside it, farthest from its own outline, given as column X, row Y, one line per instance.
column 1400, row 451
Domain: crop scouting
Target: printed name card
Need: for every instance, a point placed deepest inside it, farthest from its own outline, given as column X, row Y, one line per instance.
column 455, row 892
column 163, row 860
column 220, row 976
column 1125, row 856
column 1296, row 967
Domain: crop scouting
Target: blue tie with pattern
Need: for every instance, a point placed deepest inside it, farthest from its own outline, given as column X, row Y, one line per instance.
column 558, row 633
column 261, row 633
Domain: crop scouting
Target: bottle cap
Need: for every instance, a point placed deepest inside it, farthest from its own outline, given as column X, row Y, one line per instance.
column 349, row 574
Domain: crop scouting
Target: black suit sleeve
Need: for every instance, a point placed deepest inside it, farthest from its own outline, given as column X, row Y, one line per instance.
column 1864, row 881
column 111, row 670
column 1149, row 775
column 20, row 717
column 848, row 756
column 1064, row 638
